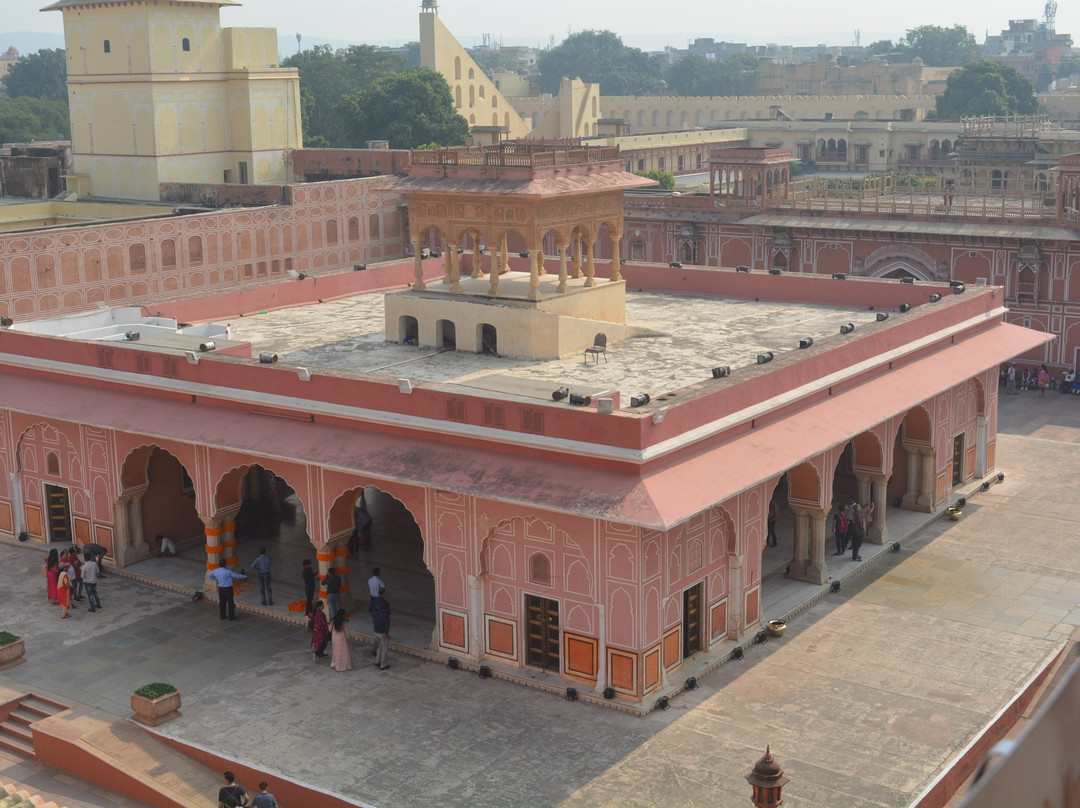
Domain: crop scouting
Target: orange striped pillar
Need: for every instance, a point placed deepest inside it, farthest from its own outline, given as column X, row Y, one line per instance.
column 213, row 547
column 326, row 561
column 228, row 542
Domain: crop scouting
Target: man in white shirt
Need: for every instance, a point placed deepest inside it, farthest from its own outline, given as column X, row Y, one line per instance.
column 224, row 577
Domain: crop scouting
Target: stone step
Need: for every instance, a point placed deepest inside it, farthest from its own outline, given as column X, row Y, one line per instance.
column 42, row 705
column 25, row 717
column 20, row 732
column 13, row 744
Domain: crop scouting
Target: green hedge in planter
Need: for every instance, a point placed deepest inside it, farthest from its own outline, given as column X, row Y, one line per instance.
column 154, row 690
column 7, row 637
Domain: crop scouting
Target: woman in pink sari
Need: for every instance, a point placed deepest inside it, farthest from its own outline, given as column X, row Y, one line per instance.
column 340, row 659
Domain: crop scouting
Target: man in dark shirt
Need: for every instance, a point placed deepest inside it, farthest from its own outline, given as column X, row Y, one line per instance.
column 333, row 591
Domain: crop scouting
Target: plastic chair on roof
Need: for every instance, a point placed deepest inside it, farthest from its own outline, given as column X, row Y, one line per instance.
column 598, row 349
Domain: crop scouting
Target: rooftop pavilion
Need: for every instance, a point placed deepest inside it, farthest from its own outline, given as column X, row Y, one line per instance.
column 480, row 202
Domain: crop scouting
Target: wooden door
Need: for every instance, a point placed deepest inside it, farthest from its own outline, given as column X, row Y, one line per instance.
column 59, row 514
column 958, row 459
column 692, row 620
column 542, row 619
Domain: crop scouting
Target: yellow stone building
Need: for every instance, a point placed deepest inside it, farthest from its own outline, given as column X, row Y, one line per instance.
column 160, row 92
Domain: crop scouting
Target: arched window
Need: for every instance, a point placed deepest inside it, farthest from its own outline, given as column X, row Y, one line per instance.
column 185, row 45
column 457, row 68
column 539, row 569
column 52, row 464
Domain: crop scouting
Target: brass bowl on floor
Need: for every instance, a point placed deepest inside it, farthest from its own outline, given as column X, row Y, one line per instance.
column 777, row 627
column 954, row 513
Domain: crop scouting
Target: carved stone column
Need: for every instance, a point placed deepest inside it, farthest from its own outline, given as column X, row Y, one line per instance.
column 418, row 266
column 927, row 491
column 477, row 268
column 476, row 616
column 808, row 563
column 877, row 531
column 590, row 272
column 616, row 264
column 736, row 600
column 453, row 261
column 982, row 446
column 534, row 274
column 911, row 483
column 577, row 258
column 563, row 248
column 540, row 256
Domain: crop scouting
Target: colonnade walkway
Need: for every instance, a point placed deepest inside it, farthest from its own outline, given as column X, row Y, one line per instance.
column 871, row 695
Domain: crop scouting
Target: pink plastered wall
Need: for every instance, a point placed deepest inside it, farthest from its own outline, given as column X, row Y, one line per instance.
column 322, row 226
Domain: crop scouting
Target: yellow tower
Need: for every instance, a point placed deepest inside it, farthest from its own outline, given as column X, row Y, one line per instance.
column 476, row 97
column 160, row 93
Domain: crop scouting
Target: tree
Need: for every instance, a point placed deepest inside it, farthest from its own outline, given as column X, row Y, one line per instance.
column 696, row 75
column 986, row 88
column 25, row 119
column 326, row 77
column 39, row 75
column 408, row 109
column 665, row 178
column 940, row 47
column 883, row 47
column 689, row 75
column 599, row 57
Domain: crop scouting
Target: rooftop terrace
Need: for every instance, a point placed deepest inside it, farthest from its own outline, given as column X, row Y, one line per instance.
column 678, row 340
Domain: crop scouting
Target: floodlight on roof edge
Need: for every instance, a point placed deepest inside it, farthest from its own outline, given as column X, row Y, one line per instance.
column 847, row 328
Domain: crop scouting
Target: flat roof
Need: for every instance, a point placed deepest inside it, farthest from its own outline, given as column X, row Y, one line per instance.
column 679, row 339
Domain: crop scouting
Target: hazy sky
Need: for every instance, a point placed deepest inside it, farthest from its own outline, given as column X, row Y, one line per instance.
column 782, row 21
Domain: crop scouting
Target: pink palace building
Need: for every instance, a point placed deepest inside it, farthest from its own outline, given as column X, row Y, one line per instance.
column 552, row 504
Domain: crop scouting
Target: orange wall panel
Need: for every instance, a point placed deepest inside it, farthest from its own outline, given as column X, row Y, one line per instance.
column 501, row 638
column 718, row 620
column 582, row 656
column 673, row 647
column 652, row 668
column 753, row 613
column 34, row 526
column 6, row 524
column 453, row 630
column 622, row 671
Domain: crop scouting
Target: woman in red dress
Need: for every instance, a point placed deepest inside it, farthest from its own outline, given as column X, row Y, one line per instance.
column 320, row 632
column 63, row 589
column 50, row 571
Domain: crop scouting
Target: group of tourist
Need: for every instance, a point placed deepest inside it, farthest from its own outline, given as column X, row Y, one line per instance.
column 69, row 579
column 1015, row 381
column 333, row 632
column 849, row 526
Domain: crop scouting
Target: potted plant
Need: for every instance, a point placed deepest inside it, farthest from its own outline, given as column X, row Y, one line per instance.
column 12, row 649
column 155, row 703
